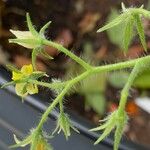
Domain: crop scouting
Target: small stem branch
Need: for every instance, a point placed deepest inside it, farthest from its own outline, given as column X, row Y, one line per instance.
column 68, row 53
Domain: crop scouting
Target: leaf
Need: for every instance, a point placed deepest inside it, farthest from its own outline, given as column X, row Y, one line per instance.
column 128, row 32
column 101, row 127
column 65, row 125
column 114, row 33
column 44, row 28
column 30, row 26
column 140, row 29
column 110, row 125
column 8, row 84
column 142, row 80
column 37, row 74
column 113, row 23
column 22, row 143
column 46, row 55
column 12, row 68
column 118, row 78
column 96, row 101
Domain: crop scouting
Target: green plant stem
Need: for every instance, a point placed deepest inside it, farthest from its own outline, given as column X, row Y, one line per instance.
column 61, row 105
column 140, row 65
column 68, row 53
column 59, row 97
column 49, row 85
column 121, row 65
column 106, row 68
column 111, row 67
column 125, row 90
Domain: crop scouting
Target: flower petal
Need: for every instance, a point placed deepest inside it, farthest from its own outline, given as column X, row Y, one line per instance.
column 16, row 76
column 27, row 69
column 21, row 89
column 22, row 34
column 32, row 88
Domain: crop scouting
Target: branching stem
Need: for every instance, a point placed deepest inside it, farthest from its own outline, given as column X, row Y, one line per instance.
column 140, row 66
column 60, row 96
column 92, row 70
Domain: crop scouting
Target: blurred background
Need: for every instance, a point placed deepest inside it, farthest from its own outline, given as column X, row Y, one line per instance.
column 74, row 25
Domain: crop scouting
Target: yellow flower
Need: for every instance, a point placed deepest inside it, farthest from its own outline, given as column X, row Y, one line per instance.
column 23, row 89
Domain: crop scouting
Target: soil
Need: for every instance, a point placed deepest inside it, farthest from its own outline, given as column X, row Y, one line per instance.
column 74, row 24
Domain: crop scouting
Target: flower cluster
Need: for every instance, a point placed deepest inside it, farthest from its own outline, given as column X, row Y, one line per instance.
column 23, row 80
column 32, row 40
column 24, row 88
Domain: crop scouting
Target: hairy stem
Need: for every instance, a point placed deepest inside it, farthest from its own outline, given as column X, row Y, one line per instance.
column 111, row 67
column 121, row 65
column 140, row 65
column 93, row 70
column 60, row 96
column 68, row 53
column 49, row 85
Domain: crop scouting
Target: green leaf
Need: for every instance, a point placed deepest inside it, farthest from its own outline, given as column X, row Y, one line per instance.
column 37, row 74
column 114, row 33
column 128, row 32
column 8, row 84
column 22, row 143
column 142, row 80
column 46, row 55
column 12, row 68
column 65, row 125
column 118, row 78
column 30, row 26
column 44, row 28
column 140, row 29
column 96, row 101
column 113, row 23
column 110, row 125
column 104, row 134
column 101, row 127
